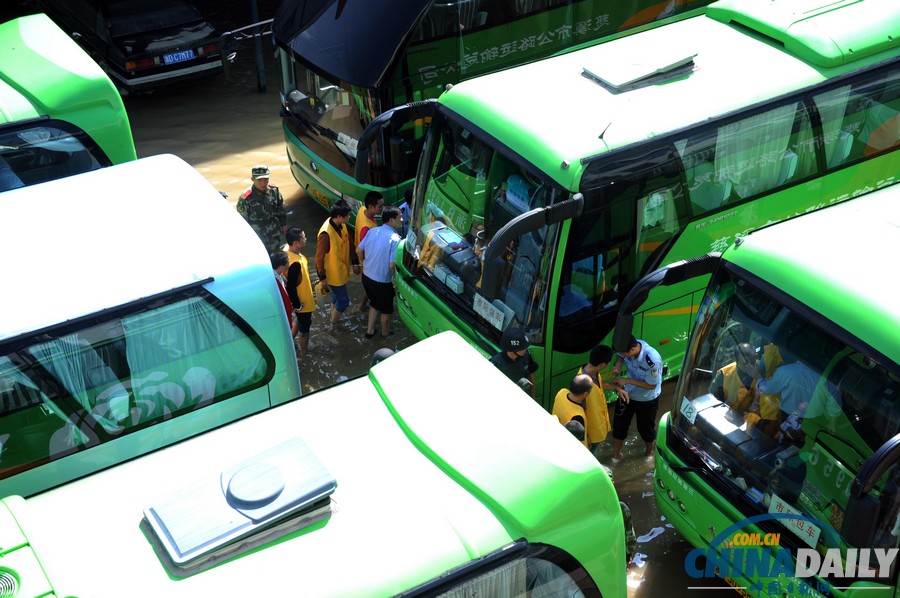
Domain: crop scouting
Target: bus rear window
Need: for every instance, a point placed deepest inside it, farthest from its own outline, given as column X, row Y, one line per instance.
column 43, row 152
column 67, row 391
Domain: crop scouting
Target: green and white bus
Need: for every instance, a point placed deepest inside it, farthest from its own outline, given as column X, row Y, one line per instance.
column 343, row 64
column 386, row 485
column 783, row 444
column 59, row 112
column 546, row 191
column 123, row 329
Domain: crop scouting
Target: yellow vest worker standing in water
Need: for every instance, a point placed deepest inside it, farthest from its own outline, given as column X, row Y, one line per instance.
column 299, row 286
column 571, row 403
column 334, row 257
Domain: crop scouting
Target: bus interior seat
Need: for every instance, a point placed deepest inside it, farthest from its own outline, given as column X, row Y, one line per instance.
column 788, row 169
column 841, row 149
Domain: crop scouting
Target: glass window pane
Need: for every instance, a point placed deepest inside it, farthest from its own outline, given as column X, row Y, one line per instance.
column 862, row 120
column 781, row 408
column 532, row 577
column 88, row 386
column 42, row 153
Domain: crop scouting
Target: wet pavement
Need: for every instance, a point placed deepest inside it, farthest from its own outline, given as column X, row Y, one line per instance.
column 223, row 126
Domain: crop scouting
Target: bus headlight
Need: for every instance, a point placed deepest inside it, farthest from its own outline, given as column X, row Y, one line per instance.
column 671, row 494
column 660, row 483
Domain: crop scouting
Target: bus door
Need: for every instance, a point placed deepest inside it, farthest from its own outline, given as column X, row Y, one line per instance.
column 634, row 209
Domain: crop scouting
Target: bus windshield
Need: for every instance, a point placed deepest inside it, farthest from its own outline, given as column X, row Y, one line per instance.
column 473, row 191
column 330, row 115
column 61, row 114
column 780, row 406
column 43, row 151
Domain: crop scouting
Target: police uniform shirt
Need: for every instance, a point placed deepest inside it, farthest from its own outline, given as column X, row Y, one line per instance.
column 646, row 366
column 515, row 370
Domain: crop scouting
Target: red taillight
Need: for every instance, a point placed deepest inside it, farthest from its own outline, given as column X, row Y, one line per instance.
column 133, row 65
column 208, row 49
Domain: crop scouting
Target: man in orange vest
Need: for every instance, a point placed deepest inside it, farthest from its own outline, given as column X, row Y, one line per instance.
column 365, row 221
column 570, row 404
column 735, row 383
column 335, row 256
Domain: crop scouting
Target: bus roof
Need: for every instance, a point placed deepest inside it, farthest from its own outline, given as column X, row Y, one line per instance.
column 412, row 500
column 837, row 261
column 75, row 246
column 320, row 35
column 556, row 117
column 35, row 57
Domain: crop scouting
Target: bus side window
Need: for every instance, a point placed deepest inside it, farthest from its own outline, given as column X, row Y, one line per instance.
column 706, row 190
column 881, row 128
column 751, row 152
column 859, row 122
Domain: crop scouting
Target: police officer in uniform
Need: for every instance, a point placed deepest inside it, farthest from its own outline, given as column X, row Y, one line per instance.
column 643, row 381
column 262, row 206
column 515, row 360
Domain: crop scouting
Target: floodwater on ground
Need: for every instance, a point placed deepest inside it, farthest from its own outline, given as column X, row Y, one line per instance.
column 223, row 126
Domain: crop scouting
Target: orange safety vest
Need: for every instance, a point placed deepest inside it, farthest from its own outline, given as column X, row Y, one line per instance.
column 597, row 424
column 737, row 395
column 362, row 221
column 304, row 289
column 337, row 260
column 565, row 410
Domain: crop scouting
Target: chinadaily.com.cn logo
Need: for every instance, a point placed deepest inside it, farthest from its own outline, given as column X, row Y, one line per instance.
column 759, row 560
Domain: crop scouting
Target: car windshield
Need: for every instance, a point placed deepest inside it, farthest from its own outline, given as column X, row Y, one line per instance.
column 128, row 17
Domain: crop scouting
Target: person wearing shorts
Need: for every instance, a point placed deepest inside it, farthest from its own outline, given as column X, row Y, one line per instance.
column 333, row 259
column 376, row 252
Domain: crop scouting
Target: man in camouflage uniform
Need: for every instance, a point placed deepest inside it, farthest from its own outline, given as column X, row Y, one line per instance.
column 262, row 206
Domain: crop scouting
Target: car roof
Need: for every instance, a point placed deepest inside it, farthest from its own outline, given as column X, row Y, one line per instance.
column 81, row 244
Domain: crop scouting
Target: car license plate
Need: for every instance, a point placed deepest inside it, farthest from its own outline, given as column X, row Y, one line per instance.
column 178, row 57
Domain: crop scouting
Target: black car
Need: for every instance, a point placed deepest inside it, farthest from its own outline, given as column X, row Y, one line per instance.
column 142, row 44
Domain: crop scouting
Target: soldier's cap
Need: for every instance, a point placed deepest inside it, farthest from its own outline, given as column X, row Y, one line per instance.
column 260, row 171
column 514, row 340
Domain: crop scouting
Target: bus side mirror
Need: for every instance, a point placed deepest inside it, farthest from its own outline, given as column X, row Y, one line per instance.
column 860, row 518
column 399, row 163
column 622, row 334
